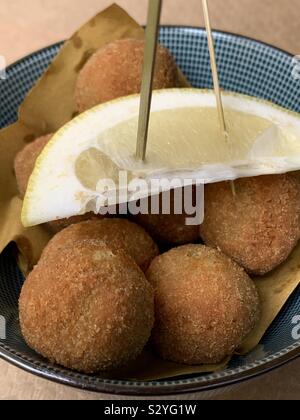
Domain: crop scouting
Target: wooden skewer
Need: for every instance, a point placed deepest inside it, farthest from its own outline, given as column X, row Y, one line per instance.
column 154, row 13
column 214, row 69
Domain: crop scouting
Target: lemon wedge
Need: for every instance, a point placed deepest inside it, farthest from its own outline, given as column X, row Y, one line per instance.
column 184, row 140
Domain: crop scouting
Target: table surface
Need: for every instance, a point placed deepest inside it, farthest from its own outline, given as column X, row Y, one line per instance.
column 26, row 26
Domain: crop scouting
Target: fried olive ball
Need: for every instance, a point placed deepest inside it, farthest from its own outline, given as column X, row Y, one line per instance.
column 118, row 234
column 58, row 225
column 89, row 309
column 205, row 305
column 116, row 71
column 259, row 226
column 170, row 229
column 26, row 159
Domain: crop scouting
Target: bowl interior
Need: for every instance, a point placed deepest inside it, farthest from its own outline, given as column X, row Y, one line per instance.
column 245, row 66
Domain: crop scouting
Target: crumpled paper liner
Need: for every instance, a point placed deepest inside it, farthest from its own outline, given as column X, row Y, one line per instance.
column 48, row 106
column 150, row 367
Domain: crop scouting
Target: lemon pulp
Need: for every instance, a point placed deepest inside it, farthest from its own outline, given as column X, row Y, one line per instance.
column 171, row 147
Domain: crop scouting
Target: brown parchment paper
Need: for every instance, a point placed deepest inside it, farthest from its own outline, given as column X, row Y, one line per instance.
column 47, row 107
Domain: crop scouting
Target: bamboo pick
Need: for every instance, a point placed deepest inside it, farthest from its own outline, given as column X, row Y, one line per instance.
column 153, row 19
column 214, row 69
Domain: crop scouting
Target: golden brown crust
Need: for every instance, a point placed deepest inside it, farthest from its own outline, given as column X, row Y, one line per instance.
column 88, row 309
column 25, row 161
column 116, row 71
column 169, row 228
column 118, row 234
column 205, row 305
column 57, row 226
column 260, row 226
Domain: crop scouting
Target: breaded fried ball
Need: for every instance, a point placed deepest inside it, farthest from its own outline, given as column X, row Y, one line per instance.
column 58, row 225
column 89, row 309
column 118, row 234
column 259, row 226
column 170, row 228
column 116, row 71
column 205, row 305
column 25, row 161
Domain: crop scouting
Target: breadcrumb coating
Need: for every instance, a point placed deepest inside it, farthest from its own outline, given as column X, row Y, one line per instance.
column 170, row 228
column 205, row 305
column 118, row 234
column 259, row 226
column 58, row 225
column 89, row 309
column 116, row 71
